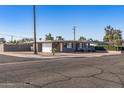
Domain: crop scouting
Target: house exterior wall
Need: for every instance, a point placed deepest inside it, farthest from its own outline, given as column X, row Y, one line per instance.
column 1, row 48
column 68, row 49
column 39, row 47
column 71, row 48
column 66, row 46
column 61, row 47
column 85, row 47
column 56, row 45
column 2, row 40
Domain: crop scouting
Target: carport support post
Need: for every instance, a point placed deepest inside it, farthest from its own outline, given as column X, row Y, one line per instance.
column 35, row 42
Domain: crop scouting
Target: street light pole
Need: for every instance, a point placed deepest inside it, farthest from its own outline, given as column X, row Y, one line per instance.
column 35, row 41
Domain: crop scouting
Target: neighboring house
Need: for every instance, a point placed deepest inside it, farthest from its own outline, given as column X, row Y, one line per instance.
column 2, row 40
column 93, row 44
column 123, row 43
column 98, row 43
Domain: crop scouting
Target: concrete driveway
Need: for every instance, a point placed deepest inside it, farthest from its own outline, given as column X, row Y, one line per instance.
column 95, row 72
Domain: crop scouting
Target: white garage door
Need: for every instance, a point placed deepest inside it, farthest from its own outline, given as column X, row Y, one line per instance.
column 47, row 47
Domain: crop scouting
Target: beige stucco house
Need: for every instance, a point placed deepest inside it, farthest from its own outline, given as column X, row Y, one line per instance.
column 48, row 45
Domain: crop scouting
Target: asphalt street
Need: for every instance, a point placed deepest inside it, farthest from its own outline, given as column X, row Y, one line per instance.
column 96, row 72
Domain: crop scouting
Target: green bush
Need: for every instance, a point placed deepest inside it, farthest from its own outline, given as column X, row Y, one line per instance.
column 100, row 48
column 109, row 47
column 112, row 48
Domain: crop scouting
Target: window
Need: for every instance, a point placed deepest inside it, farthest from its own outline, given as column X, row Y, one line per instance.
column 84, row 45
column 65, row 45
column 80, row 46
column 69, row 45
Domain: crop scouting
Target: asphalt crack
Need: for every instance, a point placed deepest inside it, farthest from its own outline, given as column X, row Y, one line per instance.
column 69, row 78
column 118, row 78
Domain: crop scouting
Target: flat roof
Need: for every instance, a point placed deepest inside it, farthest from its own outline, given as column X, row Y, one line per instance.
column 52, row 41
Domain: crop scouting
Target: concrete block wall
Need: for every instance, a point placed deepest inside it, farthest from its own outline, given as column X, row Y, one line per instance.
column 17, row 47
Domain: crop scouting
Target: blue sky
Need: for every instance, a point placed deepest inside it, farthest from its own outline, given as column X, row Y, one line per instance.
column 58, row 20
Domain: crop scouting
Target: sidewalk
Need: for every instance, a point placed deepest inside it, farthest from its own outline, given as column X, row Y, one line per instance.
column 57, row 55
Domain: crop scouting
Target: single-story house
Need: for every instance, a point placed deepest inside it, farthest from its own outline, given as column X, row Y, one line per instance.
column 2, row 40
column 48, row 45
column 66, row 46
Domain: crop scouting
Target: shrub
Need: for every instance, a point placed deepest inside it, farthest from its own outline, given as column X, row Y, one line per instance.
column 99, row 48
column 112, row 48
column 109, row 47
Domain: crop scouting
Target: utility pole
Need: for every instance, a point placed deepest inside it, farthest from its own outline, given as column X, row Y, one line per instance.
column 74, row 44
column 74, row 29
column 11, row 38
column 35, row 41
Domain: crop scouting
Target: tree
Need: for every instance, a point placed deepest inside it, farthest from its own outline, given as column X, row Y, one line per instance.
column 108, row 34
column 82, row 38
column 90, row 39
column 49, row 37
column 59, row 38
column 40, row 38
column 105, row 39
column 26, row 40
column 23, row 40
column 13, row 42
column 113, row 36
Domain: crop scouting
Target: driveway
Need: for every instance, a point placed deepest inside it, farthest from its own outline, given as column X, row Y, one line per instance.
column 95, row 72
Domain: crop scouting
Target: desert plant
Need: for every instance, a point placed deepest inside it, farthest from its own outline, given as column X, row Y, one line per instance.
column 53, row 51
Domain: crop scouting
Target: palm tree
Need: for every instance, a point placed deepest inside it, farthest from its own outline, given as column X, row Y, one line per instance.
column 49, row 37
column 59, row 38
column 82, row 38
